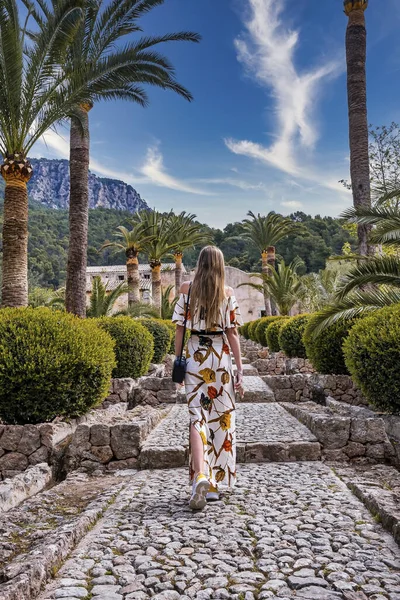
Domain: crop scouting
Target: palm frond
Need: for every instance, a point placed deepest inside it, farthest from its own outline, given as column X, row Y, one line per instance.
column 382, row 270
column 101, row 301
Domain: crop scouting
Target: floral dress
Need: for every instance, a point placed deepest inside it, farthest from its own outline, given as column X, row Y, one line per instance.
column 210, row 391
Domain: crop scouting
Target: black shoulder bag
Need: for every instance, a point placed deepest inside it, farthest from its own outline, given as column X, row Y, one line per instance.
column 179, row 369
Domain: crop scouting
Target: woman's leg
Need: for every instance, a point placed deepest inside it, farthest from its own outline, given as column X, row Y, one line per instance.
column 197, row 450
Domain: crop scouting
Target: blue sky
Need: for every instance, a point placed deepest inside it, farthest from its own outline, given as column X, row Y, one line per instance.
column 267, row 129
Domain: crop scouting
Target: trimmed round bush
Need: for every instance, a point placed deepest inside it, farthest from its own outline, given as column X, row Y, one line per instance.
column 291, row 336
column 162, row 338
column 134, row 345
column 251, row 330
column 372, row 356
column 325, row 351
column 244, row 330
column 172, row 329
column 272, row 334
column 52, row 364
column 262, row 327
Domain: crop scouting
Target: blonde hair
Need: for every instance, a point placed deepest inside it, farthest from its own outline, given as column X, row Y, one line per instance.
column 208, row 287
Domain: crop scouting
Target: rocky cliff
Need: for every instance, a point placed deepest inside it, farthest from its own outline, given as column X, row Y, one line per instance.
column 50, row 186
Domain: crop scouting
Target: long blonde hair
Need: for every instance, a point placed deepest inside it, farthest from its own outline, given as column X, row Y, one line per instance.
column 208, row 287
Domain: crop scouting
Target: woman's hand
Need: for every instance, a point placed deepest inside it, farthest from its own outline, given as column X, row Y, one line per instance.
column 239, row 383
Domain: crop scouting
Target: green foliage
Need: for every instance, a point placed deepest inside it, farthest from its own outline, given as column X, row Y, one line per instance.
column 325, row 349
column 51, row 364
column 272, row 334
column 244, row 330
column 372, row 356
column 291, row 336
column 162, row 338
column 101, row 301
column 172, row 328
column 252, row 329
column 167, row 307
column 134, row 346
column 262, row 327
column 140, row 310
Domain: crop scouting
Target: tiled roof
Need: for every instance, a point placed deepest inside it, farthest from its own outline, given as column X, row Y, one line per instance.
column 145, row 284
column 122, row 268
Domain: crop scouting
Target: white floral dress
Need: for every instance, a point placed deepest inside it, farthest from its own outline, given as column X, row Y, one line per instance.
column 210, row 391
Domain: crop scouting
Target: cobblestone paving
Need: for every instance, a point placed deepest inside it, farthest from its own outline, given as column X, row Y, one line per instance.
column 255, row 422
column 287, row 531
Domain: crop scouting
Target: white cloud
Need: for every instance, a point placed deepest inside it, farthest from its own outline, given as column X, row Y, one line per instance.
column 239, row 183
column 267, row 51
column 291, row 204
column 156, row 173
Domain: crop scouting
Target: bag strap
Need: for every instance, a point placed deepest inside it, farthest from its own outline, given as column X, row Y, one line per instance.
column 185, row 321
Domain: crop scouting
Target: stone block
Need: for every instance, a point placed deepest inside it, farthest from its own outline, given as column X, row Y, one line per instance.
column 332, row 432
column 123, row 443
column 240, row 453
column 335, row 455
column 41, row 455
column 112, row 399
column 30, row 440
column 153, row 384
column 82, row 436
column 102, row 453
column 11, row 437
column 163, row 458
column 376, row 451
column 266, row 452
column 116, row 465
column 123, row 387
column 298, row 381
column 46, row 434
column 13, row 461
column 368, row 430
column 140, row 397
column 285, row 395
column 304, row 451
column 354, row 449
column 100, row 435
column 166, row 396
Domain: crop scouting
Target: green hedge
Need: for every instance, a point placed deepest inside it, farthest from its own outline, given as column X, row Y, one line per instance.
column 272, row 334
column 244, row 330
column 134, row 345
column 172, row 329
column 262, row 327
column 291, row 336
column 372, row 356
column 325, row 351
column 251, row 331
column 51, row 364
column 162, row 338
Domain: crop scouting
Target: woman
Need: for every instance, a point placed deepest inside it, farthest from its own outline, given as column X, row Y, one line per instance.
column 212, row 319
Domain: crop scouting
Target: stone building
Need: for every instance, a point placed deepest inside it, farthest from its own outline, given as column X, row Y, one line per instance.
column 251, row 301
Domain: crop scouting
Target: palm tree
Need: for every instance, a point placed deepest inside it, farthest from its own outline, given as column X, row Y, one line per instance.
column 318, row 289
column 167, row 307
column 188, row 234
column 161, row 230
column 119, row 73
column 356, row 52
column 132, row 242
column 101, row 300
column 283, row 284
column 34, row 95
column 265, row 232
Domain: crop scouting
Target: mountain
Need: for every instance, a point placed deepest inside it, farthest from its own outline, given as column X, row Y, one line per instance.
column 50, row 186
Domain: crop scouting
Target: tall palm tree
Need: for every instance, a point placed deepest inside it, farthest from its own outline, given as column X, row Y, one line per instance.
column 161, row 229
column 131, row 242
column 283, row 284
column 101, row 300
column 356, row 53
column 120, row 72
column 188, row 234
column 34, row 95
column 265, row 232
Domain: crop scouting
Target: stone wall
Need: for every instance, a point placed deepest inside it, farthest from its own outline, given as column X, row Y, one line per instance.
column 273, row 363
column 346, row 433
column 302, row 387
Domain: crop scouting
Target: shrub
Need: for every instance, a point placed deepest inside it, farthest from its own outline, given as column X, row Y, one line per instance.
column 51, row 364
column 272, row 334
column 172, row 329
column 162, row 338
column 325, row 351
column 134, row 346
column 372, row 356
column 262, row 327
column 251, row 329
column 291, row 336
column 244, row 330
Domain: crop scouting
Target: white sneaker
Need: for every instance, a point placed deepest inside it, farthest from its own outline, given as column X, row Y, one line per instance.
column 199, row 492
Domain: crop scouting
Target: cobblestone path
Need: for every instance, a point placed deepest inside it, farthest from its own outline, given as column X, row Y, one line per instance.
column 287, row 531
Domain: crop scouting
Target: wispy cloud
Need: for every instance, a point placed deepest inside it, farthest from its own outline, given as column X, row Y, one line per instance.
column 292, row 204
column 238, row 183
column 266, row 50
column 155, row 171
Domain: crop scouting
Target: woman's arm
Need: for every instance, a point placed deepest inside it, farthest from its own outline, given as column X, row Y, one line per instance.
column 178, row 339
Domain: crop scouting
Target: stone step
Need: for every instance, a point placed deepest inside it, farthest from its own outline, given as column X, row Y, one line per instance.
column 248, row 370
column 265, row 433
column 38, row 535
column 256, row 390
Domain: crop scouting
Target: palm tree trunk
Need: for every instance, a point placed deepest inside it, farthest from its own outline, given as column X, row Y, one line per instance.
column 75, row 295
column 265, row 269
column 271, row 260
column 132, row 267
column 156, row 285
column 178, row 271
column 16, row 172
column 356, row 52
